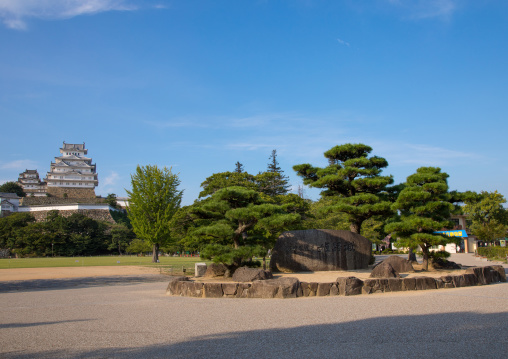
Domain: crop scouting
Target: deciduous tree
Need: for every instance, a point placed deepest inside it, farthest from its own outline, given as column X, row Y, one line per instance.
column 488, row 217
column 154, row 199
column 12, row 187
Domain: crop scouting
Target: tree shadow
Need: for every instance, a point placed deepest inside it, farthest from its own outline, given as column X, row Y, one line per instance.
column 83, row 282
column 25, row 325
column 460, row 334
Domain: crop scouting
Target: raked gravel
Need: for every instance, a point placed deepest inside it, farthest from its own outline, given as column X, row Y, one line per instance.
column 140, row 321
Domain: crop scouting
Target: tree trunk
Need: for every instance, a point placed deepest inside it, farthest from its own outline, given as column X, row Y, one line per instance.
column 155, row 255
column 412, row 255
column 355, row 227
column 425, row 262
column 264, row 263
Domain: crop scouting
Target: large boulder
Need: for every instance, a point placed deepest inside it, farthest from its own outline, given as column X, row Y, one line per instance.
column 246, row 274
column 349, row 286
column 275, row 288
column 400, row 264
column 440, row 263
column 215, row 270
column 320, row 250
column 384, row 270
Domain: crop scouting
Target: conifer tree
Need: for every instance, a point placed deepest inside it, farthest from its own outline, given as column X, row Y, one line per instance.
column 232, row 225
column 154, row 199
column 273, row 182
column 239, row 167
column 425, row 207
column 354, row 182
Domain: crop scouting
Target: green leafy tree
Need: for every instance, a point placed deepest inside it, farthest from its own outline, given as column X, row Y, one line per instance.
column 111, row 200
column 12, row 187
column 425, row 207
column 154, row 199
column 139, row 246
column 488, row 217
column 353, row 180
column 233, row 225
column 121, row 238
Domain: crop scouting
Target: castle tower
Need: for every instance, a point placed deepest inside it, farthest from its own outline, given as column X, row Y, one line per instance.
column 72, row 174
column 31, row 183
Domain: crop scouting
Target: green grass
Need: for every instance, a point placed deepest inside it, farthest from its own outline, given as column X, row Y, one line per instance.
column 167, row 264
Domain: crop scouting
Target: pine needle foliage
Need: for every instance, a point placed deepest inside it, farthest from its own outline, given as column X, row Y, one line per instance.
column 353, row 180
column 425, row 207
column 154, row 199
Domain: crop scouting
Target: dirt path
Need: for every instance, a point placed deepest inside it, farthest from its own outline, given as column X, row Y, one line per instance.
column 72, row 272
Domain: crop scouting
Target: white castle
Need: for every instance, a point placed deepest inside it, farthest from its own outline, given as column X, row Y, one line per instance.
column 71, row 171
column 72, row 168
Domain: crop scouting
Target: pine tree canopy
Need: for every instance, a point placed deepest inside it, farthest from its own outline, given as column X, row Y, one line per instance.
column 233, row 224
column 425, row 207
column 354, row 180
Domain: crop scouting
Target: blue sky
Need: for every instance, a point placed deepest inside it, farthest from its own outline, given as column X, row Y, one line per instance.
column 198, row 85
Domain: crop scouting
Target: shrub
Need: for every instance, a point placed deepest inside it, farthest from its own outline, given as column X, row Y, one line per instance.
column 493, row 252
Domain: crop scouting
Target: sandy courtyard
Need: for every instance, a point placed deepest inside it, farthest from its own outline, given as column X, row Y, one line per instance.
column 72, row 272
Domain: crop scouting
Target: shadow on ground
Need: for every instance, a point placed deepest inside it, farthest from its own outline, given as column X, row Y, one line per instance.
column 66, row 283
column 453, row 335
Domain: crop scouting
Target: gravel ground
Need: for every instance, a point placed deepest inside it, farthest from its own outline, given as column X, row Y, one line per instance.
column 137, row 320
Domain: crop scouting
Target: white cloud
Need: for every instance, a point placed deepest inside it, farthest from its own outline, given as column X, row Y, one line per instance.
column 342, row 42
column 18, row 165
column 14, row 13
column 423, row 9
column 110, row 180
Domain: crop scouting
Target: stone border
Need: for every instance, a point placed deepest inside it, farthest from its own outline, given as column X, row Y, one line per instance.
column 292, row 288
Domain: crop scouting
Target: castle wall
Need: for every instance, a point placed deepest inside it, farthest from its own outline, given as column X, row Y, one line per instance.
column 97, row 214
column 71, row 192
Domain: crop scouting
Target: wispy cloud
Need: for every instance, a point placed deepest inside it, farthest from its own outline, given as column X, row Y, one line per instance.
column 423, row 9
column 14, row 13
column 18, row 165
column 342, row 42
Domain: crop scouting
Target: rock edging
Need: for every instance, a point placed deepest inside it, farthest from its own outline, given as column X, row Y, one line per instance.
column 289, row 287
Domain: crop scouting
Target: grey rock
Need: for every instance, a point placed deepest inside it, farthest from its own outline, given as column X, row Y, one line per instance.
column 320, row 250
column 323, row 289
column 274, row 288
column 215, row 270
column 246, row 274
column 212, row 290
column 349, row 286
column 174, row 286
column 229, row 289
column 384, row 270
column 200, row 269
column 408, row 284
column 425, row 283
column 400, row 264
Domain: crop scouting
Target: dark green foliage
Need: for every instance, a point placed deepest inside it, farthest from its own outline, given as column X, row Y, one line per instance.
column 12, row 187
column 111, row 200
column 354, row 181
column 121, row 217
column 234, row 224
column 425, row 206
column 139, row 246
column 222, row 180
column 273, row 182
column 121, row 238
column 59, row 236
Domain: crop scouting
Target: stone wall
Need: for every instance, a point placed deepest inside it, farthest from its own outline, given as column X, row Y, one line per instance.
column 45, row 201
column 97, row 214
column 293, row 288
column 71, row 192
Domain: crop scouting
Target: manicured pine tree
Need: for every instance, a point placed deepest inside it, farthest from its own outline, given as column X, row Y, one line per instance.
column 354, row 182
column 425, row 207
